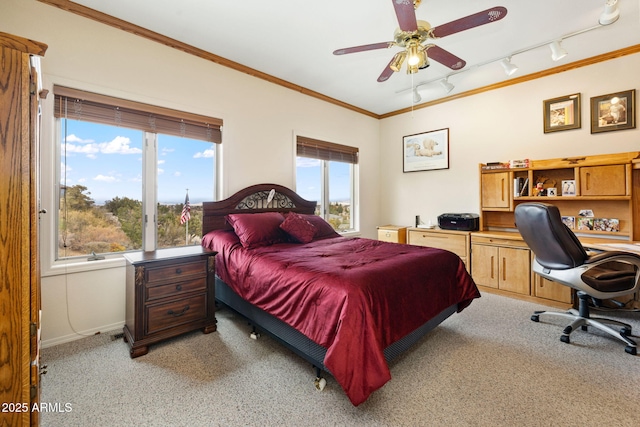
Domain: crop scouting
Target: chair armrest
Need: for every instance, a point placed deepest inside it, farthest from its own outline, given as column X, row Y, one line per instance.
column 614, row 256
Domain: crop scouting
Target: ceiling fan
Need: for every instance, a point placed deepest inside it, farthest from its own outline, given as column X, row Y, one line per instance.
column 412, row 33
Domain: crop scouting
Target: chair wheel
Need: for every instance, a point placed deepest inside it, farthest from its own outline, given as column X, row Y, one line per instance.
column 584, row 327
column 535, row 317
column 565, row 339
column 625, row 331
column 631, row 350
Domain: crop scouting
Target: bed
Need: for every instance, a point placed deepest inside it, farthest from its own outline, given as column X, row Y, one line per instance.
column 347, row 305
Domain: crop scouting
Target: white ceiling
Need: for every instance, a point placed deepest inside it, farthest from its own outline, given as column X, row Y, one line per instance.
column 293, row 40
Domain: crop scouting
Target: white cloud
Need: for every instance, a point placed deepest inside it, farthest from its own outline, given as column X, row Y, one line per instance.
column 205, row 154
column 119, row 145
column 105, row 178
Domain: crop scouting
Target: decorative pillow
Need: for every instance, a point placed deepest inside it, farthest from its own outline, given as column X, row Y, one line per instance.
column 323, row 228
column 258, row 229
column 298, row 228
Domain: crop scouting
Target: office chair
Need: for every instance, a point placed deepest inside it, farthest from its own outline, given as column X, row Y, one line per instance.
column 560, row 257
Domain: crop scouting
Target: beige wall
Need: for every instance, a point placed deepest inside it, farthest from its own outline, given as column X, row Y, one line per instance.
column 260, row 119
column 499, row 125
column 259, row 122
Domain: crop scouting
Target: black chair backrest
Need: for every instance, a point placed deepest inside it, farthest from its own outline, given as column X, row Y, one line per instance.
column 553, row 243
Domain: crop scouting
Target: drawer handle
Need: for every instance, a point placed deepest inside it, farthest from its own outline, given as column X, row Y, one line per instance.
column 178, row 271
column 178, row 287
column 179, row 313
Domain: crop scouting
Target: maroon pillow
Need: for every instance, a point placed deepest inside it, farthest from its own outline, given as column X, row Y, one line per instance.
column 298, row 228
column 323, row 228
column 258, row 229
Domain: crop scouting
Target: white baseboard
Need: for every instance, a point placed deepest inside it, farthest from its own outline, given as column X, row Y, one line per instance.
column 116, row 327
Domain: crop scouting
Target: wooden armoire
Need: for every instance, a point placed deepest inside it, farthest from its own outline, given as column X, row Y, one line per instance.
column 19, row 213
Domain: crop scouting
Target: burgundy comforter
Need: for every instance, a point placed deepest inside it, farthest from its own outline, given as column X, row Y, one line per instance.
column 352, row 296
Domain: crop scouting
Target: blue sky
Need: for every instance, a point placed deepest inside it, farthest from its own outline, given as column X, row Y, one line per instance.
column 108, row 161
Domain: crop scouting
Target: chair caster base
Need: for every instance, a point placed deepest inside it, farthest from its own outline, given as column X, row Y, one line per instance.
column 631, row 350
column 535, row 317
column 565, row 339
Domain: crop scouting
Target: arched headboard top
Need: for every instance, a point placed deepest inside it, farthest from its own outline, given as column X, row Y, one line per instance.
column 254, row 199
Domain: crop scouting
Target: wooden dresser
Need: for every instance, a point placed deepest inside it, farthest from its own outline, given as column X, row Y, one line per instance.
column 169, row 292
column 19, row 218
column 454, row 241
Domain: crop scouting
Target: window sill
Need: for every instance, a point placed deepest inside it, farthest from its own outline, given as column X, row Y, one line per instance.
column 62, row 267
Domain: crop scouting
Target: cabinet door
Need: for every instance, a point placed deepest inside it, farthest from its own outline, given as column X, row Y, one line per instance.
column 495, row 190
column 515, row 270
column 603, row 181
column 547, row 289
column 484, row 265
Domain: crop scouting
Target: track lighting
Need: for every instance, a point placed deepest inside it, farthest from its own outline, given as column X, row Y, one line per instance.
column 448, row 87
column 610, row 14
column 416, row 96
column 509, row 68
column 557, row 52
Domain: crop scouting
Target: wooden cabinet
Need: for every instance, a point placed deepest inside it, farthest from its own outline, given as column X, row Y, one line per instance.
column 392, row 233
column 608, row 185
column 495, row 190
column 454, row 241
column 604, row 184
column 19, row 215
column 169, row 292
column 501, row 263
column 603, row 180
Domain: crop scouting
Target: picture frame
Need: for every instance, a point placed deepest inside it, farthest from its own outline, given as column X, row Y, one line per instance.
column 552, row 192
column 426, row 151
column 569, row 221
column 614, row 111
column 562, row 113
column 569, row 187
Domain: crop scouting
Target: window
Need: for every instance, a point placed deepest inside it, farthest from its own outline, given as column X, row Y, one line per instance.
column 326, row 172
column 126, row 172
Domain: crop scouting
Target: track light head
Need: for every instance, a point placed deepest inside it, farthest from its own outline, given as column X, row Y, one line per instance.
column 509, row 68
column 557, row 52
column 610, row 14
column 446, row 85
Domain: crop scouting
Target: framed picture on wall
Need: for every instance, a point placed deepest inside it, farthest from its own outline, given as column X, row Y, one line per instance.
column 615, row 111
column 426, row 151
column 562, row 113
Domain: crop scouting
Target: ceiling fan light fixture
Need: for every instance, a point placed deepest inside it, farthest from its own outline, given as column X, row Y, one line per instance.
column 414, row 58
column 446, row 85
column 610, row 14
column 557, row 52
column 398, row 59
column 509, row 68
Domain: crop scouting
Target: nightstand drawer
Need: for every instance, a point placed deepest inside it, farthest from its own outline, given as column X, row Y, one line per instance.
column 176, row 272
column 171, row 314
column 392, row 233
column 172, row 289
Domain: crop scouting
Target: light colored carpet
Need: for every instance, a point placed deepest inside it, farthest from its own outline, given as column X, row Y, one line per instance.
column 487, row 366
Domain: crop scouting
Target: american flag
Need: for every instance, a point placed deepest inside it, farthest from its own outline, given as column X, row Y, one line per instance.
column 186, row 211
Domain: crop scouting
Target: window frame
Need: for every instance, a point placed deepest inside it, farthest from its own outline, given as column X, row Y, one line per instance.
column 196, row 126
column 327, row 152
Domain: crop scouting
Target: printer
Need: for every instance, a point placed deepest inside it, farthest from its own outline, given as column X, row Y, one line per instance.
column 459, row 221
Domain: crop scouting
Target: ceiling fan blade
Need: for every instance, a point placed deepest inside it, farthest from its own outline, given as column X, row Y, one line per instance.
column 406, row 14
column 388, row 72
column 485, row 17
column 446, row 58
column 354, row 49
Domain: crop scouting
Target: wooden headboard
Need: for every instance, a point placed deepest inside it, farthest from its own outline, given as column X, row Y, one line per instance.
column 254, row 199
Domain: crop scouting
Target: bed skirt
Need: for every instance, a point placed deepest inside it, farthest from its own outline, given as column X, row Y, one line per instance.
column 300, row 343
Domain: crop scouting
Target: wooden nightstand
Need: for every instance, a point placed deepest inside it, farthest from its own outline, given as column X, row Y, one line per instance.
column 392, row 233
column 169, row 292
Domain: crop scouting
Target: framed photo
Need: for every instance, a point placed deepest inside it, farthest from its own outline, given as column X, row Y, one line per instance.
column 585, row 224
column 426, row 151
column 569, row 221
column 562, row 113
column 552, row 192
column 614, row 111
column 569, row 187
